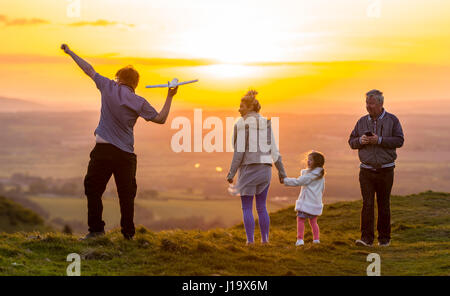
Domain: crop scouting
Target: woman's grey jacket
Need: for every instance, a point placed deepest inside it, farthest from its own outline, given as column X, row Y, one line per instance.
column 254, row 143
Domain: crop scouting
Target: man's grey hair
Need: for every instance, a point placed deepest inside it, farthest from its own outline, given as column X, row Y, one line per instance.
column 375, row 93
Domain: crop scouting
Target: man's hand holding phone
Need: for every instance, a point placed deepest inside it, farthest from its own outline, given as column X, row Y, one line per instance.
column 369, row 138
column 364, row 140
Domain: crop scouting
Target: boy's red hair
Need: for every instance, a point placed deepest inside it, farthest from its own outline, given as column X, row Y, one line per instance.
column 128, row 76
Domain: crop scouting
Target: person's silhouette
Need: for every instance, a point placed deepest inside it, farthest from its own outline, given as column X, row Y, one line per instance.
column 113, row 153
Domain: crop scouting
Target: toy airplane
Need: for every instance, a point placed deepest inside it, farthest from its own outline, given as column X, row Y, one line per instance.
column 173, row 83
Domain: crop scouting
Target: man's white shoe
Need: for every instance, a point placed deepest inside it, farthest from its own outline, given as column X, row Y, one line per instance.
column 299, row 242
column 316, row 241
column 360, row 242
column 384, row 243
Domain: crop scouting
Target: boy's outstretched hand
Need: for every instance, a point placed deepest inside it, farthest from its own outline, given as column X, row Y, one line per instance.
column 65, row 48
column 172, row 90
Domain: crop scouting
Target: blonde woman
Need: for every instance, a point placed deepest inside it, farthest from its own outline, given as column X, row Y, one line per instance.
column 254, row 152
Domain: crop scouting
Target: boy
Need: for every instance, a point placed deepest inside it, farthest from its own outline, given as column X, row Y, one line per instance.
column 113, row 153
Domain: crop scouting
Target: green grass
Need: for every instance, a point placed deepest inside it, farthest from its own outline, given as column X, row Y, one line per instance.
column 420, row 246
column 14, row 217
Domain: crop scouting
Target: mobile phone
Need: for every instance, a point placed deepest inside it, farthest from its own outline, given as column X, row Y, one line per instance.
column 369, row 134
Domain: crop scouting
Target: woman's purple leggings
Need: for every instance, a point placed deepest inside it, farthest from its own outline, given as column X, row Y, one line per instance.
column 263, row 216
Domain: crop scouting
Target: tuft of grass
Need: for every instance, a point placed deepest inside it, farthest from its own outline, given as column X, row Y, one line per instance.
column 420, row 244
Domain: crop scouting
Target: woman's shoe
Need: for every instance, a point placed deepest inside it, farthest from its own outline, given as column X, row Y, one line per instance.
column 316, row 241
column 299, row 242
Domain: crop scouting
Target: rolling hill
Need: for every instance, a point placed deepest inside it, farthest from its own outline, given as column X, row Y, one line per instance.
column 19, row 105
column 420, row 246
column 14, row 217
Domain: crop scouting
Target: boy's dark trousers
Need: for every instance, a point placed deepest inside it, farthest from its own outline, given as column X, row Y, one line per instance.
column 379, row 182
column 107, row 160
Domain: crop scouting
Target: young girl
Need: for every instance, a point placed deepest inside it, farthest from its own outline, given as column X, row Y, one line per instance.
column 309, row 203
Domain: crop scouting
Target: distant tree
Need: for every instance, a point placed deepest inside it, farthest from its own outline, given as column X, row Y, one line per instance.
column 37, row 187
column 67, row 229
column 17, row 177
column 16, row 190
column 68, row 188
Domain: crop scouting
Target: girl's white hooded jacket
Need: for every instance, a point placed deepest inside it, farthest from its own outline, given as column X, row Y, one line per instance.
column 310, row 198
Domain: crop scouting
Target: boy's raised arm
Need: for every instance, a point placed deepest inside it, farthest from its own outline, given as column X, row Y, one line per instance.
column 85, row 66
column 164, row 113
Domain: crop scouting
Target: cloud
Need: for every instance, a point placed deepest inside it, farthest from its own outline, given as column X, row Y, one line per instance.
column 105, row 59
column 22, row 21
column 37, row 21
column 100, row 23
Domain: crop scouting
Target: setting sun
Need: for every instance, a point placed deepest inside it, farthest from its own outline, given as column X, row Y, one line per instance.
column 293, row 51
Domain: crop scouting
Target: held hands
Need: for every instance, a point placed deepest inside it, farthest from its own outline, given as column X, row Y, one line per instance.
column 65, row 48
column 281, row 178
column 369, row 140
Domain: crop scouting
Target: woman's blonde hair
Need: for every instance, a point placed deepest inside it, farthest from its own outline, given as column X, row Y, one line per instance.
column 249, row 99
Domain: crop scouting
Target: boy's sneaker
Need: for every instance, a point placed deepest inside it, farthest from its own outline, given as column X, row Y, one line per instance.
column 316, row 241
column 299, row 242
column 360, row 242
column 92, row 235
column 384, row 243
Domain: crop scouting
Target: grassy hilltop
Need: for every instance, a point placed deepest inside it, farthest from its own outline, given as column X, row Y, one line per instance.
column 420, row 246
column 14, row 217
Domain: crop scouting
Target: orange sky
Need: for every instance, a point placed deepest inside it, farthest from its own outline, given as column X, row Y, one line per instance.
column 231, row 46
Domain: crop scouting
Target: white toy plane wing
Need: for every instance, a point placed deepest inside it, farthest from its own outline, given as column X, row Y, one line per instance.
column 157, row 85
column 187, row 82
column 173, row 83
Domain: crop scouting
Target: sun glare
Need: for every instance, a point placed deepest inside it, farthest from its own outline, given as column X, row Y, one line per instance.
column 234, row 36
column 230, row 70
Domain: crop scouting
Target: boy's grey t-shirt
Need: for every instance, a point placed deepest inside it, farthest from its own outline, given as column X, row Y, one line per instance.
column 120, row 109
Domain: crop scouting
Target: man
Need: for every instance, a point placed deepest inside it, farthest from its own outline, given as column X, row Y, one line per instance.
column 376, row 136
column 113, row 153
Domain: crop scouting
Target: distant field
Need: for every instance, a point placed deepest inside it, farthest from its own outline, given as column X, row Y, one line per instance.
column 58, row 144
column 75, row 209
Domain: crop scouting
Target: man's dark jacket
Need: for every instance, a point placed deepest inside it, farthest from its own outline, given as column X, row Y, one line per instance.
column 376, row 155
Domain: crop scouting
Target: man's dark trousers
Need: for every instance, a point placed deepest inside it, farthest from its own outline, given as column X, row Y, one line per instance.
column 107, row 160
column 379, row 182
